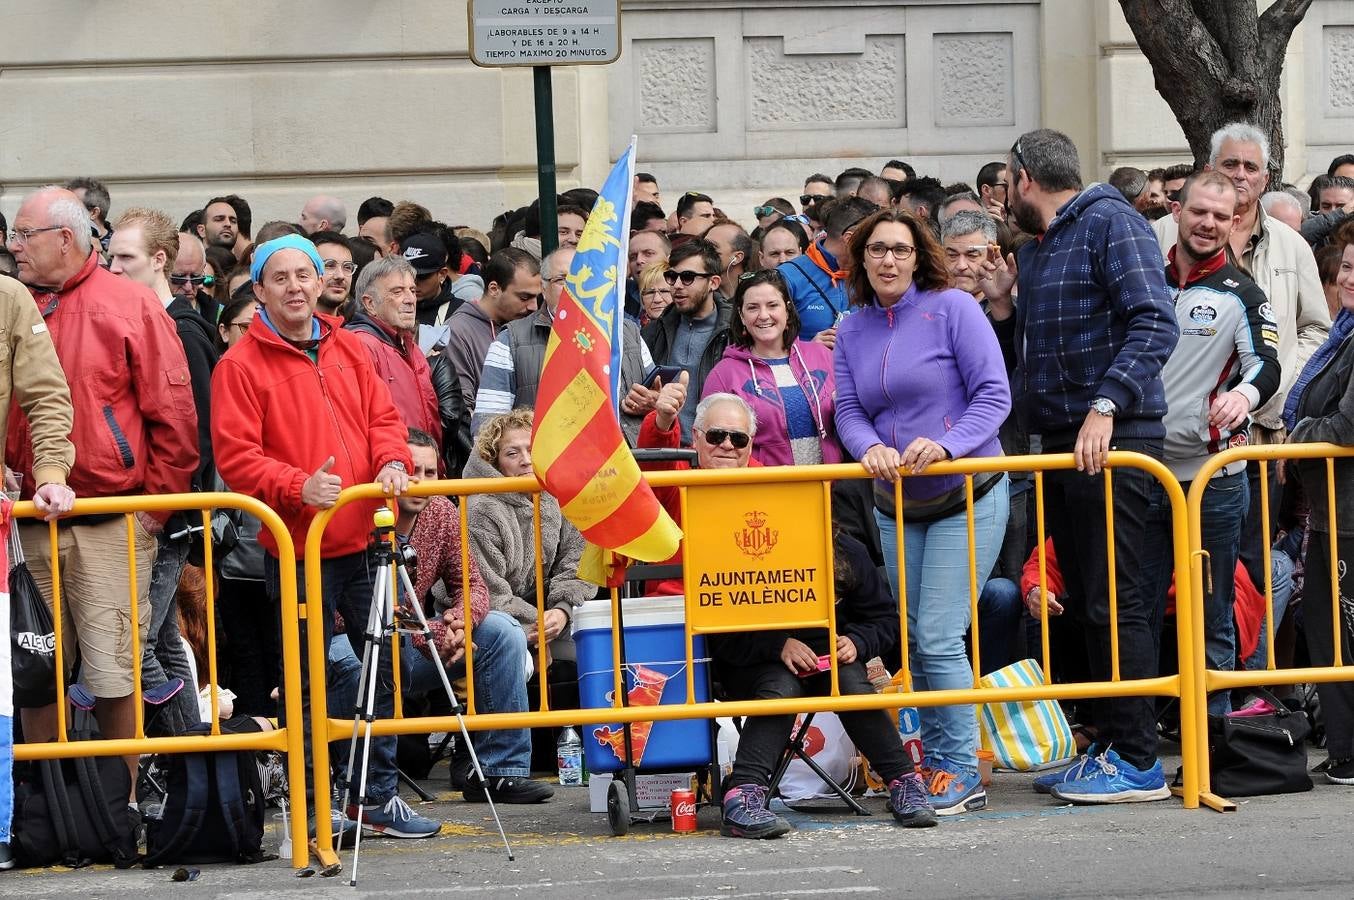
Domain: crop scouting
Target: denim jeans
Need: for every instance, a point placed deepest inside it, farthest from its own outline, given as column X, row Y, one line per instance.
column 1282, row 567
column 500, row 687
column 999, row 609
column 1074, row 504
column 939, row 610
column 163, row 655
column 1222, row 512
column 347, row 583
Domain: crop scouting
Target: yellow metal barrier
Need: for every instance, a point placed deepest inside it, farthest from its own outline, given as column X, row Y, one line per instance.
column 1209, row 680
column 286, row 740
column 1180, row 686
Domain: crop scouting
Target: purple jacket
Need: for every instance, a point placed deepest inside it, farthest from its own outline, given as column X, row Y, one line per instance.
column 751, row 378
column 928, row 366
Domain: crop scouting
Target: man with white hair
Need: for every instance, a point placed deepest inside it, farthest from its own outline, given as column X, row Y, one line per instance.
column 135, row 432
column 1282, row 264
column 323, row 213
column 1283, row 206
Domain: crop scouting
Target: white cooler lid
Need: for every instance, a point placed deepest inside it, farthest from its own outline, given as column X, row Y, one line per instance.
column 637, row 612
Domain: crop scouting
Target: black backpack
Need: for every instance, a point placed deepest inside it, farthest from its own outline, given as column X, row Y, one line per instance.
column 73, row 812
column 213, row 810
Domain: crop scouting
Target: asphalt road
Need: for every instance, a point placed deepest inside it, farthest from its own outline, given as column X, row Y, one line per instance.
column 1023, row 845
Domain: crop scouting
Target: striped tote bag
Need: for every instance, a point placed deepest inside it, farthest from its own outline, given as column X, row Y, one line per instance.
column 1028, row 734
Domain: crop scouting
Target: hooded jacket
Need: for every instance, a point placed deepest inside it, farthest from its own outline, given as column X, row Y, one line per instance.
column 1095, row 319
column 135, row 425
column 277, row 416
column 404, row 369
column 927, row 366
column 501, row 538
column 472, row 331
column 817, row 289
column 752, row 378
column 199, row 347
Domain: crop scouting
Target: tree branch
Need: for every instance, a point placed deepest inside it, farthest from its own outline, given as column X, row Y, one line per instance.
column 1276, row 26
column 1170, row 28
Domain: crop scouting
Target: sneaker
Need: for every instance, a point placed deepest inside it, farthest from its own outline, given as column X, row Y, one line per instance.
column 910, row 802
column 1116, row 781
column 746, row 815
column 506, row 789
column 340, row 826
column 1084, row 766
column 1340, row 771
column 6, row 857
column 956, row 789
column 395, row 819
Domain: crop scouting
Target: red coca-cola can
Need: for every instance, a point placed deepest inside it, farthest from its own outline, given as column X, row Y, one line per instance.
column 683, row 811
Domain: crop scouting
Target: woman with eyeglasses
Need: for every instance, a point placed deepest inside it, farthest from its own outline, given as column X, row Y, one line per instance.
column 920, row 379
column 654, row 294
column 234, row 322
column 787, row 382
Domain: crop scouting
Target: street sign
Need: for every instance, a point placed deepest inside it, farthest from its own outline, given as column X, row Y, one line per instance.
column 544, row 32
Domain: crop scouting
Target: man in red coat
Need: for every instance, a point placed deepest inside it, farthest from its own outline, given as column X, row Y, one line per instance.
column 298, row 413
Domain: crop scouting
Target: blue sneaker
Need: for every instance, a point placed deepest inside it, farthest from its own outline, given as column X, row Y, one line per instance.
column 1116, row 781
column 746, row 815
column 956, row 789
column 1084, row 766
column 395, row 819
column 910, row 802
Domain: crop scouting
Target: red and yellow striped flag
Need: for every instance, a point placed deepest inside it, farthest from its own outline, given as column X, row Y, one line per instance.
column 577, row 448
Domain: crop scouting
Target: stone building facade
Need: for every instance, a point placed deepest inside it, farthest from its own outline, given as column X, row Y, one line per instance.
column 171, row 104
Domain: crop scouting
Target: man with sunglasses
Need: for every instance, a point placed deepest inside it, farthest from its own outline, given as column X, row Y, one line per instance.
column 694, row 331
column 817, row 188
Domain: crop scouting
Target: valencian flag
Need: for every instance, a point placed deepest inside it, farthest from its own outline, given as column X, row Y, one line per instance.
column 577, row 448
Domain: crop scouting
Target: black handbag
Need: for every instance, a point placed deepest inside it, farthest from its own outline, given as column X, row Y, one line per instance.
column 32, row 637
column 1263, row 754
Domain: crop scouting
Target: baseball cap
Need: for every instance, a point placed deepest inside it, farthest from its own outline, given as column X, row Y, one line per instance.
column 424, row 252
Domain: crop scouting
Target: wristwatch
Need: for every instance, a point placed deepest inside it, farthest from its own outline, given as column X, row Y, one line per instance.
column 1104, row 406
column 396, row 464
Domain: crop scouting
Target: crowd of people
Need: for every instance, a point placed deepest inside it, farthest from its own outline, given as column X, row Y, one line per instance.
column 886, row 318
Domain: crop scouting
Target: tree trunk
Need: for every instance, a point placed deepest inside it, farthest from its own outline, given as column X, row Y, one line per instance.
column 1218, row 61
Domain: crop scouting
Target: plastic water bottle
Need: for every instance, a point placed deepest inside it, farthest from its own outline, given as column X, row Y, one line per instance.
column 569, row 753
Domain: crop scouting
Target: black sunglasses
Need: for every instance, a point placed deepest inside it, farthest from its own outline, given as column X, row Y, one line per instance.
column 806, row 199
column 672, row 276
column 717, row 436
column 204, row 280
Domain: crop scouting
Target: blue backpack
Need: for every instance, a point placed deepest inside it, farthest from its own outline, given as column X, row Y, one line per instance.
column 213, row 810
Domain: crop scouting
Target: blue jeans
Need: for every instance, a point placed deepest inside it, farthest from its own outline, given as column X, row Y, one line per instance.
column 347, row 583
column 500, row 687
column 1222, row 511
column 1282, row 566
column 999, row 609
column 938, row 611
column 163, row 655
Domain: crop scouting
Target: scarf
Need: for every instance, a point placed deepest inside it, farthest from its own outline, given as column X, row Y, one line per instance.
column 820, row 257
column 1340, row 329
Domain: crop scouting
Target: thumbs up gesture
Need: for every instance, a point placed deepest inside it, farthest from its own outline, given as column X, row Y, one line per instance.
column 322, row 488
column 671, row 399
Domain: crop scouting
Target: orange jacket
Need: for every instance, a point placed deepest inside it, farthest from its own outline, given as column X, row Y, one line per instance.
column 135, row 425
column 276, row 417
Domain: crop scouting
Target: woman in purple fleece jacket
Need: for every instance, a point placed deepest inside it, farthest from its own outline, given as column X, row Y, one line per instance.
column 787, row 382
column 920, row 379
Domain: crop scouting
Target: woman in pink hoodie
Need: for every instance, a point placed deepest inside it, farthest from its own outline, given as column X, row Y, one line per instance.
column 787, row 382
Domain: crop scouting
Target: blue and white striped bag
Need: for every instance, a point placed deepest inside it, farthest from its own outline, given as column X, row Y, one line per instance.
column 1027, row 734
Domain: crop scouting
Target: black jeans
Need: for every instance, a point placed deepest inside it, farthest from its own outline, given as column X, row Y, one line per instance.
column 764, row 737
column 1075, row 509
column 1337, row 698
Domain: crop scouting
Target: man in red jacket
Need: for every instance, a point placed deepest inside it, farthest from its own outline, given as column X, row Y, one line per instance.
column 298, row 413
column 135, row 432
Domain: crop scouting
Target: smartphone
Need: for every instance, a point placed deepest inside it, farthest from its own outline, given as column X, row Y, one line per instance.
column 663, row 373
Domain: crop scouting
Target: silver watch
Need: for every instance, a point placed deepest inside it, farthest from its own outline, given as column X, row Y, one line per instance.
column 396, row 464
column 1104, row 406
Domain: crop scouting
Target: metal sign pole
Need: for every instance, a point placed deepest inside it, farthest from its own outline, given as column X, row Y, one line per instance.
column 545, row 158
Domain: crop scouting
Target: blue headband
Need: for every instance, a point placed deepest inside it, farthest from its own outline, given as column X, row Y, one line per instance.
column 286, row 242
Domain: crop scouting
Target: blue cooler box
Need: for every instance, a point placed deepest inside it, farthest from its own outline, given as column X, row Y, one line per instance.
column 654, row 629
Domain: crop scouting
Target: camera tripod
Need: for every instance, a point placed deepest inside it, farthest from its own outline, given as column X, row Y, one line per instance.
column 382, row 624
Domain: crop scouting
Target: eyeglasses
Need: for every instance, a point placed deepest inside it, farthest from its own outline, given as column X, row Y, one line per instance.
column 797, row 217
column 761, row 212
column 718, row 436
column 24, row 235
column 900, row 252
column 558, row 279
column 1015, row 152
column 672, row 276
column 196, row 280
column 348, row 267
column 656, row 292
column 243, row 326
column 806, row 199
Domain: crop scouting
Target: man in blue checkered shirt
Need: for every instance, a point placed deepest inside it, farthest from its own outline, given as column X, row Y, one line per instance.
column 1094, row 326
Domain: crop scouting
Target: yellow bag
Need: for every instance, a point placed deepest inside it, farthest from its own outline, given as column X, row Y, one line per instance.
column 1027, row 734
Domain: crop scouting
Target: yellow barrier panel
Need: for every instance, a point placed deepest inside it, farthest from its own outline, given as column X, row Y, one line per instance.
column 1180, row 686
column 285, row 740
column 1209, row 680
